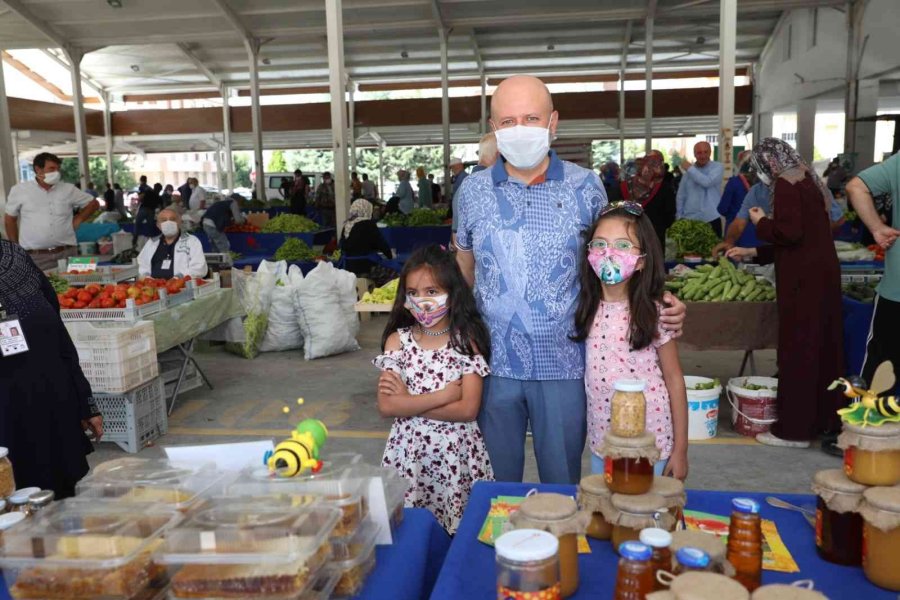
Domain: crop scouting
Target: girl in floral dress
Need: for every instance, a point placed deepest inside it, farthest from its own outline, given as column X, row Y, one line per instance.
column 622, row 279
column 436, row 349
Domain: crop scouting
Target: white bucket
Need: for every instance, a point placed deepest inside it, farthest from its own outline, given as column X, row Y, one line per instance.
column 703, row 408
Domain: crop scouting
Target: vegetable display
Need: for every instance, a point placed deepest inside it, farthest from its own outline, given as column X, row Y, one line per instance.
column 693, row 237
column 245, row 228
column 386, row 294
column 850, row 252
column 861, row 292
column 294, row 249
column 720, row 283
column 754, row 387
column 420, row 217
column 288, row 223
column 710, row 385
column 395, row 220
column 59, row 284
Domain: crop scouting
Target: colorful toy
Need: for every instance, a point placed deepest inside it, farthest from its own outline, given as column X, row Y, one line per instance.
column 300, row 452
column 870, row 407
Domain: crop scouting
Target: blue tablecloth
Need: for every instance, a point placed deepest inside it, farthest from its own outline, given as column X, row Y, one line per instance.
column 469, row 569
column 405, row 570
column 407, row 239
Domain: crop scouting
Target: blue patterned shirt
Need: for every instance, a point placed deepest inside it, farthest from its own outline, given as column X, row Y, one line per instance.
column 528, row 246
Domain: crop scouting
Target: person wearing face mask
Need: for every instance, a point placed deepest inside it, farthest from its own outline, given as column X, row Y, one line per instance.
column 519, row 243
column 700, row 188
column 219, row 216
column 198, row 195
column 172, row 254
column 39, row 213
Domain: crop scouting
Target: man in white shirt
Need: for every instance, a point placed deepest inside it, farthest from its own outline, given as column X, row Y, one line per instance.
column 701, row 189
column 368, row 188
column 198, row 195
column 40, row 214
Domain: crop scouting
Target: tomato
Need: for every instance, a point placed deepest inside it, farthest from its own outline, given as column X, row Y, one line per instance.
column 120, row 304
column 107, row 303
column 95, row 303
column 71, row 293
column 108, row 290
column 139, row 301
column 92, row 289
column 66, row 303
column 79, row 304
column 119, row 295
column 84, row 296
column 60, row 298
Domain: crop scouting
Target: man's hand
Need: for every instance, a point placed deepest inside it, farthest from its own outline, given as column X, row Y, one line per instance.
column 741, row 254
column 685, row 164
column 722, row 247
column 672, row 315
column 95, row 425
column 756, row 213
column 886, row 236
column 389, row 383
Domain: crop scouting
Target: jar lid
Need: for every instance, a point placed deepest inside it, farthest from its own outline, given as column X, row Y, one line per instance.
column 882, row 498
column 707, row 542
column 645, row 440
column 26, row 491
column 596, row 485
column 667, row 486
column 523, row 545
column 880, row 431
column 4, row 452
column 635, row 551
column 781, row 591
column 693, row 558
column 629, row 385
column 41, row 498
column 836, row 480
column 702, row 585
column 656, row 537
column 549, row 507
column 10, row 519
column 746, row 505
column 639, row 504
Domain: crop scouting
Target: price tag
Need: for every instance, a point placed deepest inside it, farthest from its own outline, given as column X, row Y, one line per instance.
column 83, row 264
column 12, row 339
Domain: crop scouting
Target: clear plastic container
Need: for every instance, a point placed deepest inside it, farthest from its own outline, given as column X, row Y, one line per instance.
column 78, row 550
column 354, row 570
column 159, row 482
column 323, row 585
column 528, row 565
column 395, row 487
column 351, row 548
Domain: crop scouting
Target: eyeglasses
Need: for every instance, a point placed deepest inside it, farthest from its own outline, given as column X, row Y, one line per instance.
column 632, row 208
column 621, row 244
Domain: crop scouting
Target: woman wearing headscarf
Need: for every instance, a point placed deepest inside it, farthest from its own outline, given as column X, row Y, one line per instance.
column 808, row 280
column 649, row 188
column 609, row 175
column 425, row 199
column 405, row 193
column 45, row 400
column 361, row 237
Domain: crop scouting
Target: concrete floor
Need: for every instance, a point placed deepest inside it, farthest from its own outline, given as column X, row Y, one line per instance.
column 249, row 396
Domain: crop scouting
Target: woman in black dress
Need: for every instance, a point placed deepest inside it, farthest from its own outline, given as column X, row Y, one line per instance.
column 45, row 404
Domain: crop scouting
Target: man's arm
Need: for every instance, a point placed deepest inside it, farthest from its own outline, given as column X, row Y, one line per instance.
column 861, row 198
column 731, row 236
column 713, row 176
column 466, row 261
column 12, row 228
column 86, row 203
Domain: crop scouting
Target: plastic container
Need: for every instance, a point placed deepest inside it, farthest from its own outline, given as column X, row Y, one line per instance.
column 635, row 574
column 80, row 551
column 354, row 561
column 160, row 482
column 628, row 408
column 323, row 585
column 745, row 542
column 7, row 479
column 131, row 313
column 136, row 418
column 881, row 536
column 593, row 496
column 394, row 485
column 210, row 286
column 871, row 454
column 839, row 525
column 8, row 521
column 112, row 343
column 703, row 408
column 752, row 411
column 119, row 377
column 527, row 565
column 105, row 274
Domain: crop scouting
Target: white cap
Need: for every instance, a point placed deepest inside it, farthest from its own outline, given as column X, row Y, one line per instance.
column 630, row 385
column 455, row 161
column 21, row 496
column 523, row 545
column 10, row 519
column 656, row 537
column 3, row 452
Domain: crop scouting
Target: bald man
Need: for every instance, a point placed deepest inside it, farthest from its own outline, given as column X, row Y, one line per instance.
column 700, row 189
column 519, row 240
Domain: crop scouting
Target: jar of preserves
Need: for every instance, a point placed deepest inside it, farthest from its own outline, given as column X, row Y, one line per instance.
column 629, row 463
column 659, row 542
column 673, row 491
column 707, row 542
column 871, row 454
column 881, row 536
column 628, row 408
column 635, row 574
column 744, row 549
column 593, row 496
column 7, row 480
column 18, row 501
column 527, row 565
column 630, row 514
column 838, row 522
column 691, row 559
column 559, row 515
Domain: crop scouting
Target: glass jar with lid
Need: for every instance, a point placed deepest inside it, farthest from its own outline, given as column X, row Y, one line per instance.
column 630, row 514
column 7, row 480
column 527, row 565
column 673, row 491
column 701, row 585
column 559, row 515
column 38, row 501
column 838, row 522
column 629, row 462
column 691, row 559
column 628, row 408
column 881, row 536
column 9, row 520
column 593, row 496
column 707, row 542
column 634, row 578
column 18, row 501
column 872, row 453
column 659, row 541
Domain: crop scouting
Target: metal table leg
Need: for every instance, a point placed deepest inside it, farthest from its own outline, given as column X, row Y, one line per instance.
column 187, row 350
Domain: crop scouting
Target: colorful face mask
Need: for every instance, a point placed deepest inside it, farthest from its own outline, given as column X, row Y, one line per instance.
column 613, row 266
column 427, row 310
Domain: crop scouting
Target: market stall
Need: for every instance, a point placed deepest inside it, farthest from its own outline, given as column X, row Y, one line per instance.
column 469, row 569
column 406, row 239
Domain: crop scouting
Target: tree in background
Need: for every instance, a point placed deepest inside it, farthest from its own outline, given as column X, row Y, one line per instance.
column 277, row 163
column 603, row 151
column 97, row 167
column 241, row 163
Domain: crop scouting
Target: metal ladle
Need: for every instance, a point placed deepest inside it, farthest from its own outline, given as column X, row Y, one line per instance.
column 809, row 515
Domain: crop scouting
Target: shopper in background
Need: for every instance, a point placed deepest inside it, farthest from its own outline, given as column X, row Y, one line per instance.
column 406, row 201
column 197, row 195
column 609, row 175
column 299, row 193
column 735, row 191
column 699, row 192
column 185, row 190
column 166, row 196
column 368, row 188
column 808, row 279
column 835, row 176
column 218, row 217
column 436, row 195
column 91, row 190
column 424, row 188
column 656, row 196
column 325, row 202
column 285, row 188
column 355, row 186
column 143, row 184
column 174, row 253
column 109, row 198
column 39, row 213
column 45, row 400
column 120, row 201
column 360, row 237
column 144, row 219
column 458, row 174
column 487, row 152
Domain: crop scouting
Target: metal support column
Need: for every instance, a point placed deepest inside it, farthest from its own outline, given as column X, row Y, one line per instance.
column 74, row 55
column 648, row 79
column 15, row 156
column 621, row 118
column 107, row 132
column 334, row 24
column 727, row 49
column 351, row 87
column 9, row 159
column 867, row 93
column 806, row 128
column 855, row 11
column 484, row 115
column 252, row 46
column 226, row 134
column 445, row 112
column 380, row 170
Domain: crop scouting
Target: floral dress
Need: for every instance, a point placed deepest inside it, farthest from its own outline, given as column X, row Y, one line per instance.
column 441, row 460
column 610, row 358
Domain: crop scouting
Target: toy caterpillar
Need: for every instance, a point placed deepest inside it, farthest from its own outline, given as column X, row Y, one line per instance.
column 300, row 452
column 870, row 407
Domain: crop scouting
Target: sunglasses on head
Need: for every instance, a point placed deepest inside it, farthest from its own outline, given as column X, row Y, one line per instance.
column 632, row 208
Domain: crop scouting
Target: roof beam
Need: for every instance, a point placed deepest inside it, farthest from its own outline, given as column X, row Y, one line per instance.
column 626, row 43
column 35, row 77
column 479, row 58
column 201, row 66
column 235, row 20
column 85, row 78
column 48, row 31
column 436, row 12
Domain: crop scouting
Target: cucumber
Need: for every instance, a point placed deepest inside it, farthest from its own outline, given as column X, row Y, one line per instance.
column 732, row 295
column 725, row 291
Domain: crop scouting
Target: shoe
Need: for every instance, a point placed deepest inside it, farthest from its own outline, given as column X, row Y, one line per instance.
column 830, row 447
column 770, row 439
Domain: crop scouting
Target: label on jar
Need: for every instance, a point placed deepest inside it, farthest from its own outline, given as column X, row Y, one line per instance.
column 551, row 593
column 608, row 470
column 848, row 460
column 819, row 527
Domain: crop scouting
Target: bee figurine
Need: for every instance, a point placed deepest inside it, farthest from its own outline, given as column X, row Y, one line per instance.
column 300, row 452
column 870, row 407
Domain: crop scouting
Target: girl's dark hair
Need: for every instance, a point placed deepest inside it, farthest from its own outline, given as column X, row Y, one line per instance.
column 645, row 288
column 467, row 330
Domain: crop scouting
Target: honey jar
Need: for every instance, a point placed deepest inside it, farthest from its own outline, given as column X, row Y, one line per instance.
column 673, row 491
column 881, row 536
column 871, row 453
column 559, row 515
column 628, row 408
column 838, row 522
column 630, row 514
column 709, row 543
column 629, row 463
column 593, row 496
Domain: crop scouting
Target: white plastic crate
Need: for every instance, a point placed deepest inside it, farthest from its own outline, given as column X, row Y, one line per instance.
column 185, row 295
column 860, row 277
column 211, row 287
column 105, row 274
column 129, row 314
column 121, row 377
column 108, row 342
column 134, row 419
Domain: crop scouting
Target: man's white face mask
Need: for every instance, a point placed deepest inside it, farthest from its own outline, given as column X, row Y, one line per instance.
column 522, row 146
